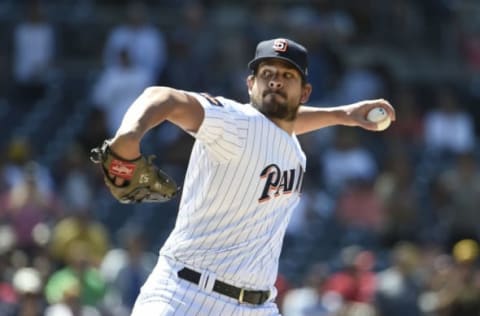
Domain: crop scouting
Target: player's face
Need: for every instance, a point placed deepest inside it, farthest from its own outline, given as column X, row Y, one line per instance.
column 277, row 90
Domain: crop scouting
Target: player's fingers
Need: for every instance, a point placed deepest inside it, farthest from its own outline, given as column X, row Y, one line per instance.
column 117, row 180
column 371, row 126
column 389, row 108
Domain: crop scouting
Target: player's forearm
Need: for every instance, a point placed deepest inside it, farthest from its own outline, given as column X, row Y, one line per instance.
column 149, row 109
column 355, row 114
column 152, row 107
column 314, row 118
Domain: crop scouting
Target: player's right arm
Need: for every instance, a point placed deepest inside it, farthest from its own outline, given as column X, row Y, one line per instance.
column 311, row 118
column 152, row 107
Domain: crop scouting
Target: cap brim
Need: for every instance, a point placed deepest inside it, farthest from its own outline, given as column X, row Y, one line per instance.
column 252, row 65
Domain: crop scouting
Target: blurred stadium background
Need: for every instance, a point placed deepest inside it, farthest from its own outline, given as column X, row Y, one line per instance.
column 389, row 223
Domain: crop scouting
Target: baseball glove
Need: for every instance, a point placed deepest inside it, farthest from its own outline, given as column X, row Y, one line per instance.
column 143, row 181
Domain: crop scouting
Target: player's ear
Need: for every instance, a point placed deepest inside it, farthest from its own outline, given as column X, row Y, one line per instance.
column 250, row 80
column 306, row 91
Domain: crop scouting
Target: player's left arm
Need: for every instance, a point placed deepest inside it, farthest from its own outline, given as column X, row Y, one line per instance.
column 311, row 118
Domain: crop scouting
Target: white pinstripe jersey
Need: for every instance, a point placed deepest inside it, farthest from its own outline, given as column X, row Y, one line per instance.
column 243, row 180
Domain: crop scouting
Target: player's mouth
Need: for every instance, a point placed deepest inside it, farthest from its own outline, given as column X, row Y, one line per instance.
column 274, row 93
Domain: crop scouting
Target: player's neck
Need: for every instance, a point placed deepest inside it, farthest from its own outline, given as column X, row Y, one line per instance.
column 287, row 126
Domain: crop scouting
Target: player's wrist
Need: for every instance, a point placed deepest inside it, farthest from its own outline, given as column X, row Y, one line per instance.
column 126, row 146
column 342, row 115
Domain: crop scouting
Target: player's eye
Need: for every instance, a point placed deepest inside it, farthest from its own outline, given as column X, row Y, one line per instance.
column 288, row 75
column 266, row 73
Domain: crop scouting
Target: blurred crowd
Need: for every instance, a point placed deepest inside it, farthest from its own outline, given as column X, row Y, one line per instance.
column 388, row 223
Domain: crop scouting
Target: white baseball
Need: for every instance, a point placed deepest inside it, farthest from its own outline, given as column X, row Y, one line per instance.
column 379, row 116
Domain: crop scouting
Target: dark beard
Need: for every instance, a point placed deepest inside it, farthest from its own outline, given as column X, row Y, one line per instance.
column 273, row 108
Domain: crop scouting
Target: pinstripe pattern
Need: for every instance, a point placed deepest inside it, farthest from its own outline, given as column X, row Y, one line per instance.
column 164, row 294
column 223, row 227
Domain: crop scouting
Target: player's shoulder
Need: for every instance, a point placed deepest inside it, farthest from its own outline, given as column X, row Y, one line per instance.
column 230, row 103
column 243, row 109
column 227, row 106
column 221, row 101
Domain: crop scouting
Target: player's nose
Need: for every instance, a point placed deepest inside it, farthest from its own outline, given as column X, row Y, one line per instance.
column 275, row 84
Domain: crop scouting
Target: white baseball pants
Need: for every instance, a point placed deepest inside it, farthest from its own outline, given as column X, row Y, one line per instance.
column 165, row 294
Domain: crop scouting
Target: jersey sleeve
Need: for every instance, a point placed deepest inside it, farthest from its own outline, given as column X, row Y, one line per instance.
column 223, row 128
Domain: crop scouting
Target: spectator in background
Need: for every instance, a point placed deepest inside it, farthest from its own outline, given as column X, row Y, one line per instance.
column 470, row 53
column 306, row 300
column 19, row 153
column 28, row 285
column 301, row 218
column 118, row 86
column 440, row 22
column 8, row 296
column 471, row 50
column 402, row 25
column 95, row 130
column 144, row 43
column 76, row 185
column 361, row 212
column 460, row 187
column 192, row 44
column 283, row 286
column 449, row 128
column 399, row 286
column 320, row 28
column 34, row 47
column 193, row 47
column 407, row 132
column 26, row 207
column 228, row 72
column 463, row 285
column 347, row 159
column 396, row 187
column 355, row 282
column 360, row 81
column 453, row 287
column 78, row 283
column 125, row 269
column 69, row 302
column 79, row 228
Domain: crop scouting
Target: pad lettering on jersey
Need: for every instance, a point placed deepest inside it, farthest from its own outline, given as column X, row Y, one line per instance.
column 280, row 182
column 122, row 169
column 212, row 100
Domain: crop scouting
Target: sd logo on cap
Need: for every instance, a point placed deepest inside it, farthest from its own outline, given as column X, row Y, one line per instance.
column 284, row 49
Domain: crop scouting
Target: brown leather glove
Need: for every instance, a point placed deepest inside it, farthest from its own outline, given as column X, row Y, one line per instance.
column 143, row 181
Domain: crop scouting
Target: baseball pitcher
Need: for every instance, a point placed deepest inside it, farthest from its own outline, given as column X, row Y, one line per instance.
column 243, row 180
